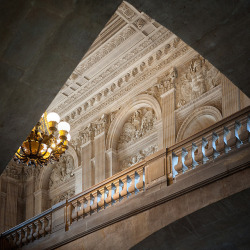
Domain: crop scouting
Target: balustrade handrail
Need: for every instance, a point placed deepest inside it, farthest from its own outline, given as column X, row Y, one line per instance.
column 211, row 128
column 27, row 222
column 122, row 173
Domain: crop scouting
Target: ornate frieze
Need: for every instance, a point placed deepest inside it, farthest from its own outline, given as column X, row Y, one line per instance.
column 121, row 86
column 120, row 64
column 139, row 124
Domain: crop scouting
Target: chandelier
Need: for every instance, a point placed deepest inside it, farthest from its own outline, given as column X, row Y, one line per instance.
column 46, row 143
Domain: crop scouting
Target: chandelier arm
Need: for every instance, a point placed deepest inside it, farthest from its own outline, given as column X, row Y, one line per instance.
column 39, row 147
column 30, row 146
column 22, row 150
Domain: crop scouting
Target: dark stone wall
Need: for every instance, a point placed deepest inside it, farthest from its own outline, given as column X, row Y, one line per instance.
column 42, row 41
column 222, row 225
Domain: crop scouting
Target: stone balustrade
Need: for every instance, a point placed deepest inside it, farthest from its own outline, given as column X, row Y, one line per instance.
column 30, row 230
column 226, row 136
column 107, row 193
column 222, row 138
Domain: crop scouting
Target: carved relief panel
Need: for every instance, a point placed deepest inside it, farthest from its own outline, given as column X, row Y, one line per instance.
column 62, row 179
column 135, row 141
column 195, row 78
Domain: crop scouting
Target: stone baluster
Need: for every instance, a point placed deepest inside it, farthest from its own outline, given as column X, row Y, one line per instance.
column 184, row 153
column 100, row 199
column 43, row 222
column 19, row 237
column 38, row 226
column 175, row 160
column 93, row 202
column 25, row 237
column 123, row 192
column 194, row 151
column 131, row 188
column 121, row 187
column 87, row 205
column 140, row 185
column 209, row 148
column 48, row 225
column 204, row 147
column 225, row 139
column 215, row 138
column 108, row 195
column 236, row 132
column 244, row 129
column 79, row 207
column 116, row 193
column 31, row 231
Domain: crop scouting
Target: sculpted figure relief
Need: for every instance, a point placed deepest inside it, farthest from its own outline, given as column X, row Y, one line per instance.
column 140, row 123
column 62, row 171
column 199, row 77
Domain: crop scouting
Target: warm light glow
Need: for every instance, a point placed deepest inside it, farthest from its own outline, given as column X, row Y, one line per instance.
column 49, row 150
column 53, row 145
column 53, row 117
column 68, row 137
column 64, row 126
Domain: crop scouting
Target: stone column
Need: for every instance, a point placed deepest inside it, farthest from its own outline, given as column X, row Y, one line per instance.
column 41, row 201
column 230, row 98
column 30, row 199
column 168, row 117
column 100, row 161
column 86, row 164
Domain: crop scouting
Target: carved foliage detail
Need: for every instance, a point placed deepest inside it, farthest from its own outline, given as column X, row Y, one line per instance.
column 140, row 123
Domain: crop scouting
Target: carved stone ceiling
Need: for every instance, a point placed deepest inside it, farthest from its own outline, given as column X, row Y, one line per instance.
column 128, row 52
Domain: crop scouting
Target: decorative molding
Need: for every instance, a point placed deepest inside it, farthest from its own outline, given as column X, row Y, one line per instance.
column 206, row 110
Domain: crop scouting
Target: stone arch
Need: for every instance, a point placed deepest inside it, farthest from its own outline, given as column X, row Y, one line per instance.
column 200, row 119
column 140, row 101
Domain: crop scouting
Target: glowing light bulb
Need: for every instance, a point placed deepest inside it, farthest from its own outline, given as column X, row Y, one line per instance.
column 53, row 145
column 49, row 150
column 64, row 126
column 53, row 117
